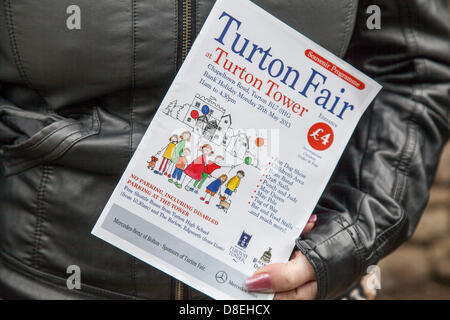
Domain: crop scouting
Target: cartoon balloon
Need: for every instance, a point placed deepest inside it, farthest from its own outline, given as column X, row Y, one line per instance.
column 205, row 109
column 248, row 160
column 259, row 142
column 194, row 114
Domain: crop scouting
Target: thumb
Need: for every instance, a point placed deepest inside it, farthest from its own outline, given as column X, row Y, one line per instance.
column 278, row 277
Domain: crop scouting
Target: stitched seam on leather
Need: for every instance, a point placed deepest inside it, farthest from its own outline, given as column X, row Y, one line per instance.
column 317, row 264
column 133, row 74
column 95, row 128
column 357, row 248
column 364, row 252
column 50, row 156
column 330, row 238
column 133, row 275
column 93, row 131
column 132, row 104
column 361, row 252
column 366, row 149
column 175, row 51
column 41, row 141
column 197, row 18
column 40, row 210
column 50, row 279
column 306, row 249
column 194, row 25
column 12, row 38
column 354, row 225
column 355, row 243
column 410, row 144
column 413, row 119
column 324, row 280
column 58, row 154
column 320, row 268
column 384, row 238
column 26, row 116
column 15, row 49
column 349, row 225
column 409, row 148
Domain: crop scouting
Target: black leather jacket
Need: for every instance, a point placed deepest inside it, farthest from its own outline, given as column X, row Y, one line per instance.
column 74, row 104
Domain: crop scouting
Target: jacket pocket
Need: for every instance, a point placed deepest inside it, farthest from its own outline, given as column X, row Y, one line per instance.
column 41, row 138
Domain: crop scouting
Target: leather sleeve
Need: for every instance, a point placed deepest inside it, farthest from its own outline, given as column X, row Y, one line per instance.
column 381, row 184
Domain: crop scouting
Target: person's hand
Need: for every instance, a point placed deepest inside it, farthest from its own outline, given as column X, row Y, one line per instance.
column 293, row 280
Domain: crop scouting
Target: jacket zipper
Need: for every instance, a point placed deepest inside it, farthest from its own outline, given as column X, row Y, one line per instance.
column 186, row 11
column 186, row 28
column 179, row 290
column 187, row 25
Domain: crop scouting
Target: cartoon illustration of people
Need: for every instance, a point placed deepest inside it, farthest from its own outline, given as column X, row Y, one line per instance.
column 233, row 183
column 213, row 188
column 183, row 138
column 179, row 167
column 167, row 156
column 209, row 169
column 196, row 168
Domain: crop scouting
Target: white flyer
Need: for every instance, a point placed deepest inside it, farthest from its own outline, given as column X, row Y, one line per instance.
column 238, row 153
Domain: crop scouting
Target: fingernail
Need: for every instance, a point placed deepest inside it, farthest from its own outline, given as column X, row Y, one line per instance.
column 258, row 282
column 313, row 218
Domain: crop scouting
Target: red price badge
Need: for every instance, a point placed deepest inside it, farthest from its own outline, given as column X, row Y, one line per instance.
column 320, row 136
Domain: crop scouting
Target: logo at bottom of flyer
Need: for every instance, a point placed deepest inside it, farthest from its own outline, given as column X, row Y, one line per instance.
column 263, row 260
column 238, row 251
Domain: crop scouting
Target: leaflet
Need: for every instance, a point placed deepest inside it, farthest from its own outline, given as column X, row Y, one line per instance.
column 238, row 153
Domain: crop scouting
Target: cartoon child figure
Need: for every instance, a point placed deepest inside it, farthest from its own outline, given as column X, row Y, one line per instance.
column 233, row 183
column 179, row 167
column 213, row 188
column 167, row 156
column 195, row 169
column 184, row 137
column 209, row 169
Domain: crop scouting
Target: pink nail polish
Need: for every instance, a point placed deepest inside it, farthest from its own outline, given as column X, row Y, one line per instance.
column 313, row 218
column 258, row 282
